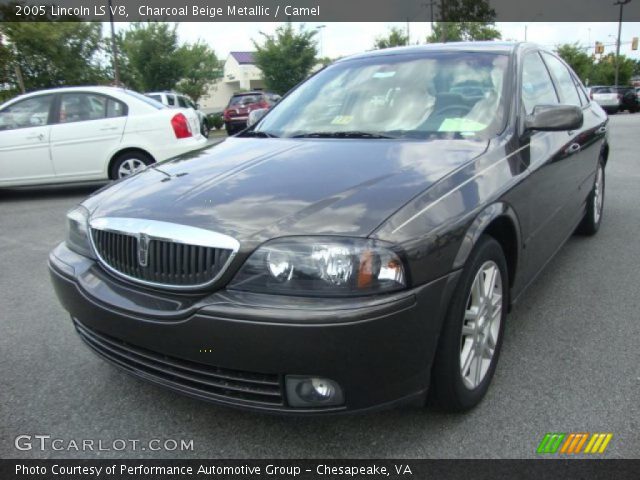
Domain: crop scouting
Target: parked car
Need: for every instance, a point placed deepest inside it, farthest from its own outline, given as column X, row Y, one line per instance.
column 177, row 100
column 346, row 258
column 88, row 133
column 606, row 97
column 241, row 104
column 628, row 99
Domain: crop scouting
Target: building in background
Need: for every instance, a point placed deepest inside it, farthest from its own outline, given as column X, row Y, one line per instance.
column 240, row 74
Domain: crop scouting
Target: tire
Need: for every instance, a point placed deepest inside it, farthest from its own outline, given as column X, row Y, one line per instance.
column 204, row 129
column 590, row 224
column 230, row 130
column 135, row 160
column 455, row 388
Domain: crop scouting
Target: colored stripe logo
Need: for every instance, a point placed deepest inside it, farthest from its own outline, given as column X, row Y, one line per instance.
column 572, row 443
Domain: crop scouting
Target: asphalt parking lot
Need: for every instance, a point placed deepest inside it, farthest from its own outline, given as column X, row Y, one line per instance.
column 569, row 361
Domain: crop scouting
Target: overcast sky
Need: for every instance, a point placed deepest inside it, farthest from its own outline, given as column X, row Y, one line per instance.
column 341, row 39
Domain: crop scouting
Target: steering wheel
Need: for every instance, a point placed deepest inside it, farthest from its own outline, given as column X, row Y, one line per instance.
column 456, row 110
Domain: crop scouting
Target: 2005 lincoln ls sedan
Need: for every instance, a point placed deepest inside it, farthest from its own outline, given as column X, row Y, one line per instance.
column 359, row 246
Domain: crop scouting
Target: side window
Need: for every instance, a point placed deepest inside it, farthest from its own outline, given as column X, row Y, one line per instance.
column 115, row 108
column 537, row 87
column 82, row 107
column 31, row 112
column 564, row 80
column 171, row 100
column 182, row 102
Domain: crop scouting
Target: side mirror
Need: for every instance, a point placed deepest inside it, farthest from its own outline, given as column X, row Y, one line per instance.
column 553, row 118
column 197, row 105
column 256, row 115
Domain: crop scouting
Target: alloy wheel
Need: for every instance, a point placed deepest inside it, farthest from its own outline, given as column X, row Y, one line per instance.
column 481, row 325
column 130, row 166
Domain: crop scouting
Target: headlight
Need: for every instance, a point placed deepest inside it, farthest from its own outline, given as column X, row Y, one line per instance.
column 321, row 266
column 78, row 231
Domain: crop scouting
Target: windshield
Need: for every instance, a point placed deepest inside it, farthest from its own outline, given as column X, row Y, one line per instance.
column 417, row 96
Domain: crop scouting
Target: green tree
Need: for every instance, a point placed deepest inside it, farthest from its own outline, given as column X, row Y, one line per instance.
column 150, row 56
column 396, row 37
column 200, row 66
column 52, row 54
column 463, row 32
column 604, row 70
column 579, row 60
column 464, row 20
column 286, row 57
column 7, row 90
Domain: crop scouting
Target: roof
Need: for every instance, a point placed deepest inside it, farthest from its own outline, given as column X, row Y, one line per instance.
column 486, row 46
column 243, row 58
column 94, row 89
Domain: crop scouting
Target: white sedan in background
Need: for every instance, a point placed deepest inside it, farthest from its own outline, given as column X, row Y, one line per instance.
column 89, row 133
column 606, row 97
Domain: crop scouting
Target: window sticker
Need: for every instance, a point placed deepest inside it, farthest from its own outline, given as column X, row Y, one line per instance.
column 384, row 74
column 461, row 125
column 342, row 120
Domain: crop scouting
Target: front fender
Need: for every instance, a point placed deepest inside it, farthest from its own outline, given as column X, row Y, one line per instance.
column 479, row 226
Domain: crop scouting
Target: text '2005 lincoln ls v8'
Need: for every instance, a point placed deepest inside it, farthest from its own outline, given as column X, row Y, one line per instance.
column 357, row 246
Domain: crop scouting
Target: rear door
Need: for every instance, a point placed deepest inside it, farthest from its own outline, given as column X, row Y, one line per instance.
column 583, row 148
column 89, row 129
column 550, row 184
column 24, row 141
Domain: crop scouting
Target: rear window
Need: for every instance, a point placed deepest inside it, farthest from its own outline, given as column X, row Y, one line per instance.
column 244, row 99
column 143, row 98
column 157, row 98
column 601, row 90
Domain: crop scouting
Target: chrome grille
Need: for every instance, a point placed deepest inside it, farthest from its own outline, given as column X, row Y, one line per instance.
column 164, row 262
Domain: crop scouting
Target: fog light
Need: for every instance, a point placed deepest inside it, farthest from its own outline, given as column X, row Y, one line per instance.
column 313, row 391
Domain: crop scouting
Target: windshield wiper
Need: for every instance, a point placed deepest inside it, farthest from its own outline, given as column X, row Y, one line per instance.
column 258, row 134
column 346, row 134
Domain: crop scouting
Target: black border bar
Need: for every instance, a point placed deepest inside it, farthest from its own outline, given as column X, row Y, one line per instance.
column 542, row 469
column 309, row 10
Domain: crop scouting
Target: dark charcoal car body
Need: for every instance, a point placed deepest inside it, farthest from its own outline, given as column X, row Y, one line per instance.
column 442, row 208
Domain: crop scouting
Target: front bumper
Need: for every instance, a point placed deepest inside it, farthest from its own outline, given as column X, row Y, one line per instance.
column 236, row 348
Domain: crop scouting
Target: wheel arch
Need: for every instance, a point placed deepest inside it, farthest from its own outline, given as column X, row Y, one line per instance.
column 604, row 152
column 127, row 150
column 499, row 221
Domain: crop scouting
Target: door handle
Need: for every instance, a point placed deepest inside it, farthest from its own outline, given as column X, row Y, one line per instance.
column 40, row 137
column 573, row 148
column 106, row 129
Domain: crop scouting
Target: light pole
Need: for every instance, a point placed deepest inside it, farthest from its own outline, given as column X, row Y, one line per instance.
column 319, row 28
column 622, row 3
column 430, row 5
column 114, row 47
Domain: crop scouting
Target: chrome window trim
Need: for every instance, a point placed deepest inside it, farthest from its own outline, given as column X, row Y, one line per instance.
column 166, row 232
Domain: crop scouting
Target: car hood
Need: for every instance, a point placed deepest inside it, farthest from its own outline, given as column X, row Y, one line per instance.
column 254, row 189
